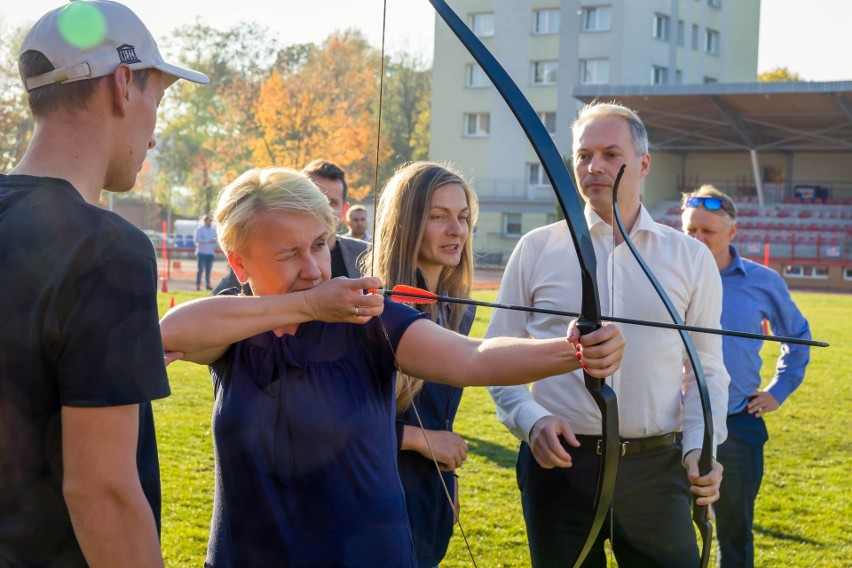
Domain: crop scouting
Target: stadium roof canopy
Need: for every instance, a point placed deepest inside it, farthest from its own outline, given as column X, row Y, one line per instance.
column 752, row 117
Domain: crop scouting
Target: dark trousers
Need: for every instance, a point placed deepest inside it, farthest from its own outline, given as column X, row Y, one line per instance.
column 742, row 457
column 205, row 264
column 650, row 516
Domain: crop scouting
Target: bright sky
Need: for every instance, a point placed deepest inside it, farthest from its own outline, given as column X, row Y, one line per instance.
column 810, row 38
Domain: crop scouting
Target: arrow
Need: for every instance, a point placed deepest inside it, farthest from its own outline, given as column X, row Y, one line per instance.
column 412, row 295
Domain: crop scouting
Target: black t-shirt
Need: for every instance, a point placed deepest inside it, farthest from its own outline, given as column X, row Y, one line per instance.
column 79, row 329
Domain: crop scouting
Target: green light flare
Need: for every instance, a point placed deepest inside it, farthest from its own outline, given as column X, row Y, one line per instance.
column 82, row 25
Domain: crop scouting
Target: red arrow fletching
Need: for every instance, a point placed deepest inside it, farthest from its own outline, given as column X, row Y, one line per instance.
column 418, row 295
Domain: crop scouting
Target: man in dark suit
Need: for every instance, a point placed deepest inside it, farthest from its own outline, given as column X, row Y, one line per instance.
column 345, row 250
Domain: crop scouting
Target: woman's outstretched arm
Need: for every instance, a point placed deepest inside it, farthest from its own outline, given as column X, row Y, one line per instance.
column 203, row 329
column 429, row 352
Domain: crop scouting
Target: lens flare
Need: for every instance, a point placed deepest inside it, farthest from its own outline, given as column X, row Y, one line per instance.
column 82, row 25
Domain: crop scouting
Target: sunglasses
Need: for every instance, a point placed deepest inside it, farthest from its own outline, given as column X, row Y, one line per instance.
column 710, row 203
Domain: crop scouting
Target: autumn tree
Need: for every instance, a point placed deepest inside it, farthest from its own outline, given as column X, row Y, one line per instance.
column 405, row 116
column 208, row 129
column 324, row 107
column 267, row 104
column 16, row 125
column 777, row 74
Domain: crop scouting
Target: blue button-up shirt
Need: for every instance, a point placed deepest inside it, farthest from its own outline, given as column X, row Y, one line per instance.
column 752, row 293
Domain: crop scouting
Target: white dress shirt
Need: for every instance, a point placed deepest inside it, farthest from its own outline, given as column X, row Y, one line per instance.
column 655, row 386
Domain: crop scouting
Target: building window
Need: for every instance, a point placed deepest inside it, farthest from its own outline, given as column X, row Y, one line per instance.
column 711, row 42
column 482, row 24
column 714, row 3
column 661, row 27
column 847, row 273
column 546, row 21
column 681, row 32
column 544, row 72
column 695, row 37
column 710, row 79
column 678, row 77
column 792, row 271
column 549, row 121
column 536, row 176
column 594, row 71
column 475, row 77
column 812, row 272
column 659, row 75
column 512, row 225
column 477, row 124
column 597, row 19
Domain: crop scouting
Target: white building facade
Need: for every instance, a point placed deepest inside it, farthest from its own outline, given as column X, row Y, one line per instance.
column 549, row 47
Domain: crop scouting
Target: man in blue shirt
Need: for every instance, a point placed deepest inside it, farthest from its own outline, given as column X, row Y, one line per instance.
column 751, row 293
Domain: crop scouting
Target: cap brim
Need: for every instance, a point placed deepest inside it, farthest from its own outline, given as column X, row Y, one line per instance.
column 182, row 73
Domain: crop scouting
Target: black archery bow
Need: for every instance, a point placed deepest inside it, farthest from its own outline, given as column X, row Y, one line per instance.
column 572, row 209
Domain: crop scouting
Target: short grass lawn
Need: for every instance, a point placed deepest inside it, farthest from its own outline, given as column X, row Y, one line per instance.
column 803, row 510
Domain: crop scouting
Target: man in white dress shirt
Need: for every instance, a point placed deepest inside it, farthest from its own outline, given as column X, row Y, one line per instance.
column 660, row 413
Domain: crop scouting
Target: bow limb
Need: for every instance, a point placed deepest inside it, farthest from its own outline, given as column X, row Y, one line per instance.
column 572, row 208
column 705, row 461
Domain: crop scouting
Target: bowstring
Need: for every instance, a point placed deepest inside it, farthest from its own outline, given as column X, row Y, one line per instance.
column 432, row 453
column 378, row 138
column 612, row 313
column 373, row 266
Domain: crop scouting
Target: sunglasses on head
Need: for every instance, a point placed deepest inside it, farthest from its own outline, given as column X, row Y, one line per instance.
column 710, row 203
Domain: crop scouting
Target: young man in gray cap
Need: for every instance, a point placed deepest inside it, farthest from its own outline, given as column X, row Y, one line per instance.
column 80, row 351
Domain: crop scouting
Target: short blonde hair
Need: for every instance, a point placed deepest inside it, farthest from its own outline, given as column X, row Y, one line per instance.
column 267, row 189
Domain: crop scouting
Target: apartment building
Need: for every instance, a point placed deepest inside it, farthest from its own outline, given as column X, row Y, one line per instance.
column 550, row 47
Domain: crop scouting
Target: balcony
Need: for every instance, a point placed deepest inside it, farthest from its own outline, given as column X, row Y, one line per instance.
column 508, row 190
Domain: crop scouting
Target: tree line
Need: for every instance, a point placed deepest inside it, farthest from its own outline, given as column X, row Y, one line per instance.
column 267, row 103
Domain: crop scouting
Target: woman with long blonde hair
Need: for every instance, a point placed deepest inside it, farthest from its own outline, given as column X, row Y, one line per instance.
column 424, row 229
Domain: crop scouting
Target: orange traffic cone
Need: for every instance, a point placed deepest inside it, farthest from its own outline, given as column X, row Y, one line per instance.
column 165, row 287
column 172, row 303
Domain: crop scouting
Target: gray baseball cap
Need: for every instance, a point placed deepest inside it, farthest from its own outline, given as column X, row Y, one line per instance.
column 85, row 39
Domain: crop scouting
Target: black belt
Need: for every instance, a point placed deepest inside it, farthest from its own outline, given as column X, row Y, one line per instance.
column 628, row 447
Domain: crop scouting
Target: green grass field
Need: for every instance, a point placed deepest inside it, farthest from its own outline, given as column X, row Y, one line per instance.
column 803, row 511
